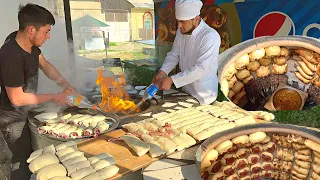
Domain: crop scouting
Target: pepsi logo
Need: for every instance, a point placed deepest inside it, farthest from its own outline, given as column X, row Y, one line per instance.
column 274, row 23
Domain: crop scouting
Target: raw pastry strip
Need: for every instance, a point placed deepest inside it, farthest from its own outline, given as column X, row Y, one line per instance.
column 62, row 129
column 76, row 167
column 196, row 123
column 81, row 173
column 101, row 127
column 191, row 121
column 66, row 151
column 66, row 134
column 155, row 147
column 46, row 129
column 108, row 172
column 71, row 155
column 74, row 160
column 166, row 144
column 78, row 132
column 103, row 163
column 65, row 145
column 99, row 157
column 197, row 129
column 138, row 146
column 96, row 119
column 201, row 107
column 197, row 115
column 73, row 117
column 213, row 130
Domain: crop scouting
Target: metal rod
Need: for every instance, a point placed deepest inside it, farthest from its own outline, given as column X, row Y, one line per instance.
column 67, row 16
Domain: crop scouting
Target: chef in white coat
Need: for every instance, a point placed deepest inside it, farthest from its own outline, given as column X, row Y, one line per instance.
column 196, row 49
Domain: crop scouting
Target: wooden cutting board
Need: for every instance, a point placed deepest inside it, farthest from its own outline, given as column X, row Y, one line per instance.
column 126, row 159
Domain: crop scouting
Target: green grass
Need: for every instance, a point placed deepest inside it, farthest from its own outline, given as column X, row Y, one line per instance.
column 113, row 44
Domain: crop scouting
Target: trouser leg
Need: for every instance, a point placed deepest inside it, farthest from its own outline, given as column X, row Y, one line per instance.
column 17, row 136
column 5, row 156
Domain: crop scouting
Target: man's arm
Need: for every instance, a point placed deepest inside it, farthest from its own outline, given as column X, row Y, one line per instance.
column 20, row 98
column 52, row 73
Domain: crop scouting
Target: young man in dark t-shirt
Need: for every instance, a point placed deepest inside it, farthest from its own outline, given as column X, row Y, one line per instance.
column 20, row 60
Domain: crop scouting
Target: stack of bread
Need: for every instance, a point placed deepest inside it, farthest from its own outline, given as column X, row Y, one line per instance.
column 65, row 162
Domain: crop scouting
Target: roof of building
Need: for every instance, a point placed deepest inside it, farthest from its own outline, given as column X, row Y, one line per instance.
column 142, row 3
column 89, row 21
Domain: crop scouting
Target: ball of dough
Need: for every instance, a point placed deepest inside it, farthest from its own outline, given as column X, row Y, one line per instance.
column 273, row 51
column 253, row 66
column 243, row 139
column 224, row 147
column 242, row 62
column 257, row 137
column 212, row 155
column 265, row 61
column 280, row 60
column 242, row 74
column 284, row 51
column 51, row 171
column 257, row 54
column 42, row 161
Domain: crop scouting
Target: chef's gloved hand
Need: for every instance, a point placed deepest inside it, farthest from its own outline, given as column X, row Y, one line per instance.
column 165, row 83
column 158, row 77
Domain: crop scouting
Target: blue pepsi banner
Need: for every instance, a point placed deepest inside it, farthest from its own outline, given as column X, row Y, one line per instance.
column 279, row 18
column 240, row 20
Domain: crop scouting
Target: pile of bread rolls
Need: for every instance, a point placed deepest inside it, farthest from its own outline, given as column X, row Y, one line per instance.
column 66, row 162
column 265, row 61
column 260, row 155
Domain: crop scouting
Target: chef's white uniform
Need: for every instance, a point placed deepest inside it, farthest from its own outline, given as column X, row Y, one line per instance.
column 197, row 55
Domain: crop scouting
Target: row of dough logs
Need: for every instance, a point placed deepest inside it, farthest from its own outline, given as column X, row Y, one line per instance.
column 178, row 130
column 66, row 162
column 75, row 126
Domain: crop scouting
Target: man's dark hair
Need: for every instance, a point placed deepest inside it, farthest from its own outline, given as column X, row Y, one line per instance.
column 34, row 15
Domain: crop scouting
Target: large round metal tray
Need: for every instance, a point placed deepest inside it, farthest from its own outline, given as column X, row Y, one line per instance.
column 268, row 128
column 111, row 119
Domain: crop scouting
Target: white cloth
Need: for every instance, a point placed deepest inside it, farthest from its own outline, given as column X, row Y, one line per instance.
column 198, row 60
column 187, row 9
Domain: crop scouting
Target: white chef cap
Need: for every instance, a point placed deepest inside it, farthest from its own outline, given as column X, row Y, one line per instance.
column 187, row 9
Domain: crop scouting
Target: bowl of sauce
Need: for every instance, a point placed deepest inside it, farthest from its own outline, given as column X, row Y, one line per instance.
column 287, row 99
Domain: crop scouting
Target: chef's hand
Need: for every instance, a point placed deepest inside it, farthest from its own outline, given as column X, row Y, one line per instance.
column 158, row 77
column 61, row 99
column 165, row 83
